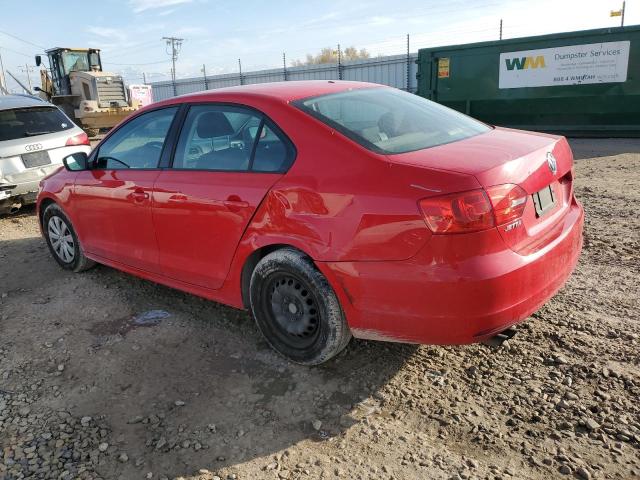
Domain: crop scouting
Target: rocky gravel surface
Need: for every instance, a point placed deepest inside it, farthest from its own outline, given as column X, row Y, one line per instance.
column 105, row 376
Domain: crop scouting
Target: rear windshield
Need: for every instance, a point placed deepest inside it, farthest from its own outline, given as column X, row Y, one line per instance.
column 31, row 122
column 387, row 120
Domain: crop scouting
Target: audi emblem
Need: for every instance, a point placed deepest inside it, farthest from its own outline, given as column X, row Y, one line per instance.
column 34, row 147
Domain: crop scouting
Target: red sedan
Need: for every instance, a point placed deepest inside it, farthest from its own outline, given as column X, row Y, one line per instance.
column 328, row 209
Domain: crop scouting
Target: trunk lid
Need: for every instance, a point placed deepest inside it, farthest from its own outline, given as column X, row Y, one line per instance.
column 504, row 156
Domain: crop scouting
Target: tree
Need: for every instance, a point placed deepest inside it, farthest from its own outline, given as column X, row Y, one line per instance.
column 330, row 55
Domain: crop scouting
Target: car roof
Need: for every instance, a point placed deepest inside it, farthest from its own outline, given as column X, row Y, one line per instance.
column 285, row 91
column 8, row 102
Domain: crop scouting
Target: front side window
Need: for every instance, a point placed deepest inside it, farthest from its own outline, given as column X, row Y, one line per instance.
column 389, row 121
column 75, row 62
column 138, row 143
column 229, row 138
column 31, row 122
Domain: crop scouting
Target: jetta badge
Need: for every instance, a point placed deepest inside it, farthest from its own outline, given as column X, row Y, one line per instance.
column 551, row 163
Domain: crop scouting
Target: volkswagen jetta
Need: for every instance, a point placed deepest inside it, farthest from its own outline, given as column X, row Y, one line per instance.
column 329, row 210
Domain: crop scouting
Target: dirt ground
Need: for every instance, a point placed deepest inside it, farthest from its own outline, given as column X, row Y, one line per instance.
column 87, row 391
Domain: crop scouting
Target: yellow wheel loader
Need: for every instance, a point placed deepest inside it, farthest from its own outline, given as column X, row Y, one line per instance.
column 94, row 99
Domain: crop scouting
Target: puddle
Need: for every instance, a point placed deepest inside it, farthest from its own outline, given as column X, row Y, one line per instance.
column 123, row 325
column 150, row 318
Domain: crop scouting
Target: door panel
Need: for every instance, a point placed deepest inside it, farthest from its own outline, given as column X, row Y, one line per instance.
column 199, row 218
column 204, row 202
column 114, row 218
column 113, row 199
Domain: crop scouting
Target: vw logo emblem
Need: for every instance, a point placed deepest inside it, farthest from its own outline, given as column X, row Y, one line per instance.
column 33, row 147
column 551, row 163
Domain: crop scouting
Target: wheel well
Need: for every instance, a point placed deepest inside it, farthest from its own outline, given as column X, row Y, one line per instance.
column 43, row 206
column 251, row 262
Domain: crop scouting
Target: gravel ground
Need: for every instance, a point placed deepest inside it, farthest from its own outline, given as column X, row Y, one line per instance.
column 90, row 389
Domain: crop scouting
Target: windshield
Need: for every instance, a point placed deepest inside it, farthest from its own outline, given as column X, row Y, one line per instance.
column 30, row 122
column 387, row 120
column 75, row 61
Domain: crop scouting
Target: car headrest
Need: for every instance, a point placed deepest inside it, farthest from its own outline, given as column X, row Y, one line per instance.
column 388, row 123
column 213, row 124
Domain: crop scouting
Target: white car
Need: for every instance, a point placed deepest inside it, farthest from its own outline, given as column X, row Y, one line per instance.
column 35, row 136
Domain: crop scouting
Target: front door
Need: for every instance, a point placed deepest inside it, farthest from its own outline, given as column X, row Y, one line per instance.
column 113, row 207
column 226, row 160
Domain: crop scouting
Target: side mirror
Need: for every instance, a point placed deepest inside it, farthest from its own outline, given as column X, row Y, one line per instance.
column 38, row 60
column 76, row 162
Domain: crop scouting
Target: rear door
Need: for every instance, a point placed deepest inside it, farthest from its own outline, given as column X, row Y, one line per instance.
column 226, row 159
column 113, row 200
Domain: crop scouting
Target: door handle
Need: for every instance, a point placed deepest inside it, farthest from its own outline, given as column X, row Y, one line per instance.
column 139, row 195
column 235, row 203
column 178, row 197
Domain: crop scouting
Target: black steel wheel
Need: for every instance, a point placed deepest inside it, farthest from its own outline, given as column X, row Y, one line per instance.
column 296, row 309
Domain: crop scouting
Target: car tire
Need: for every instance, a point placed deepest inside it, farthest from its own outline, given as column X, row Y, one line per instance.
column 296, row 309
column 62, row 240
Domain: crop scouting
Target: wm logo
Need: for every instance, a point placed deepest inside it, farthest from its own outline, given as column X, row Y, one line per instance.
column 523, row 63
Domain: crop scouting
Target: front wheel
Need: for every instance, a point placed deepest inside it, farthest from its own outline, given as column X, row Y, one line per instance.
column 63, row 241
column 296, row 309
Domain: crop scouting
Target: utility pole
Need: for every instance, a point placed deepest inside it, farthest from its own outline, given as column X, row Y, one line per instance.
column 144, row 78
column 408, row 64
column 27, row 69
column 500, row 29
column 622, row 19
column 284, row 66
column 176, row 45
column 24, row 87
column 204, row 74
column 240, row 70
column 339, row 63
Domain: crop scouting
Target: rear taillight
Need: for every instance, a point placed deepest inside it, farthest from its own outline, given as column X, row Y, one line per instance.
column 474, row 210
column 80, row 139
column 508, row 202
column 458, row 213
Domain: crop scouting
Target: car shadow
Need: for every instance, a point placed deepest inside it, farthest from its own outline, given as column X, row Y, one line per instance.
column 199, row 388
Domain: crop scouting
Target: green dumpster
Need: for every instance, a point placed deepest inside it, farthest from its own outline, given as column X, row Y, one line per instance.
column 584, row 83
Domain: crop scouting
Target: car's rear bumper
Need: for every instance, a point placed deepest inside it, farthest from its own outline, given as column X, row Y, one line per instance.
column 458, row 289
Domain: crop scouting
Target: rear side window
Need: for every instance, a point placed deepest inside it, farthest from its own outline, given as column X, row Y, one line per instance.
column 31, row 122
column 138, row 143
column 271, row 153
column 231, row 138
column 389, row 121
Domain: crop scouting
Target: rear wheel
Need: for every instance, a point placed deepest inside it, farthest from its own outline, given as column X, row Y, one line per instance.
column 296, row 309
column 63, row 241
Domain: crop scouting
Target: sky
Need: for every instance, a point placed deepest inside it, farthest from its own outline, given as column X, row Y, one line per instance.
column 217, row 33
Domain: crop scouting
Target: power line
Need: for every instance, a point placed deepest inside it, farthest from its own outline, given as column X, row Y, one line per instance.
column 135, row 64
column 22, row 39
column 135, row 48
column 17, row 52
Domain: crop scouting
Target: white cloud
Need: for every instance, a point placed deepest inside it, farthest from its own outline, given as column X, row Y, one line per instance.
column 144, row 5
column 106, row 32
